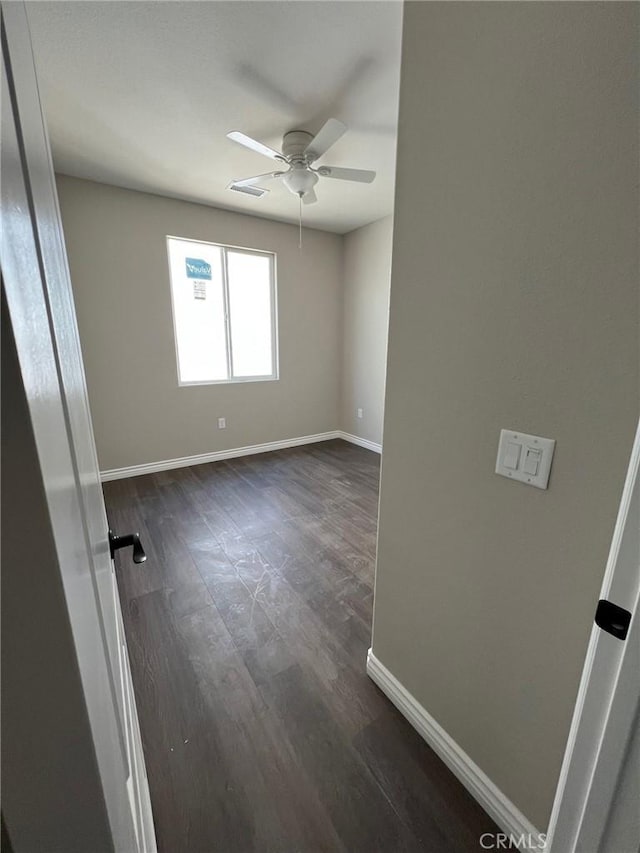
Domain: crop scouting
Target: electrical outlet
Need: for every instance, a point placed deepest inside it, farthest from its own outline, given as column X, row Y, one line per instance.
column 360, row 413
column 222, row 423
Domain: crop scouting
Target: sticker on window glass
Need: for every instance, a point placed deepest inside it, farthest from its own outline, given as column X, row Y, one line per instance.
column 199, row 289
column 197, row 268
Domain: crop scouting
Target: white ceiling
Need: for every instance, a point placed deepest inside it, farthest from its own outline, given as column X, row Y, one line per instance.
column 141, row 95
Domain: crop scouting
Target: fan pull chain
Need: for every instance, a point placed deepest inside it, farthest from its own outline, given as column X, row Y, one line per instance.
column 300, row 222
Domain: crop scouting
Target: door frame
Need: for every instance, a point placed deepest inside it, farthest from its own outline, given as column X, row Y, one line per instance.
column 608, row 695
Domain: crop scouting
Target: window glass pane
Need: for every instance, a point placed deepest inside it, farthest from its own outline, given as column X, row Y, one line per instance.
column 250, row 313
column 198, row 310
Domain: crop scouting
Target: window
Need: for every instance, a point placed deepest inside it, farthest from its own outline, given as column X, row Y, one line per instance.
column 224, row 312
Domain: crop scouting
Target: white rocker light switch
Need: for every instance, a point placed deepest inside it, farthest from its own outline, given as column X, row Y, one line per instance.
column 532, row 459
column 526, row 458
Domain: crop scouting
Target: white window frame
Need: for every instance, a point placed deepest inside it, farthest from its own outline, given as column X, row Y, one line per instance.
column 231, row 380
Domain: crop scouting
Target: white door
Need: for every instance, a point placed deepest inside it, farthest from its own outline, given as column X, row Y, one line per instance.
column 40, row 304
column 595, row 809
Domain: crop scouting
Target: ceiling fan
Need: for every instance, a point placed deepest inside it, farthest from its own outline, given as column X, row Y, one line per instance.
column 299, row 151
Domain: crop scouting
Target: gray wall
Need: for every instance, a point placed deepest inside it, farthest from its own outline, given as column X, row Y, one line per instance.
column 366, row 280
column 117, row 254
column 514, row 303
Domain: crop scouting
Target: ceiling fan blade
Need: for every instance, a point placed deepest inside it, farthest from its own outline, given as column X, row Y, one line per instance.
column 257, row 179
column 254, row 145
column 329, row 133
column 310, row 197
column 363, row 176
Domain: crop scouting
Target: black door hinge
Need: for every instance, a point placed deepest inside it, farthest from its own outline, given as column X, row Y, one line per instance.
column 613, row 619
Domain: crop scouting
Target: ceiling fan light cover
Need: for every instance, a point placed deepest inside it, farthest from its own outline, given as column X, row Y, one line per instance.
column 300, row 181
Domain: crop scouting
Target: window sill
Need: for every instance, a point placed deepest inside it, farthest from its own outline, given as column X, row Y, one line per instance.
column 243, row 381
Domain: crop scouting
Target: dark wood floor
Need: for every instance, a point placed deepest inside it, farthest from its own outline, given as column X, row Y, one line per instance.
column 248, row 628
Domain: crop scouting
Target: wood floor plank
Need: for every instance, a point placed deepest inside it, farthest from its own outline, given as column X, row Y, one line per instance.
column 425, row 792
column 286, row 803
column 362, row 814
column 248, row 628
column 189, row 767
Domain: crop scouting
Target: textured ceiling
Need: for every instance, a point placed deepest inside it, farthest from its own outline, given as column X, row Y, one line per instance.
column 141, row 95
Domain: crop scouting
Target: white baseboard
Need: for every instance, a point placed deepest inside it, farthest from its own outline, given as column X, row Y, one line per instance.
column 361, row 442
column 215, row 456
column 509, row 818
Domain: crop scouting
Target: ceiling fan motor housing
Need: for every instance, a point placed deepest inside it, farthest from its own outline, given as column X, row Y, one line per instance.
column 294, row 144
column 299, row 180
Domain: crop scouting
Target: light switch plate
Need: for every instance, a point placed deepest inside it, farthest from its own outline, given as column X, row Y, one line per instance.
column 535, row 452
